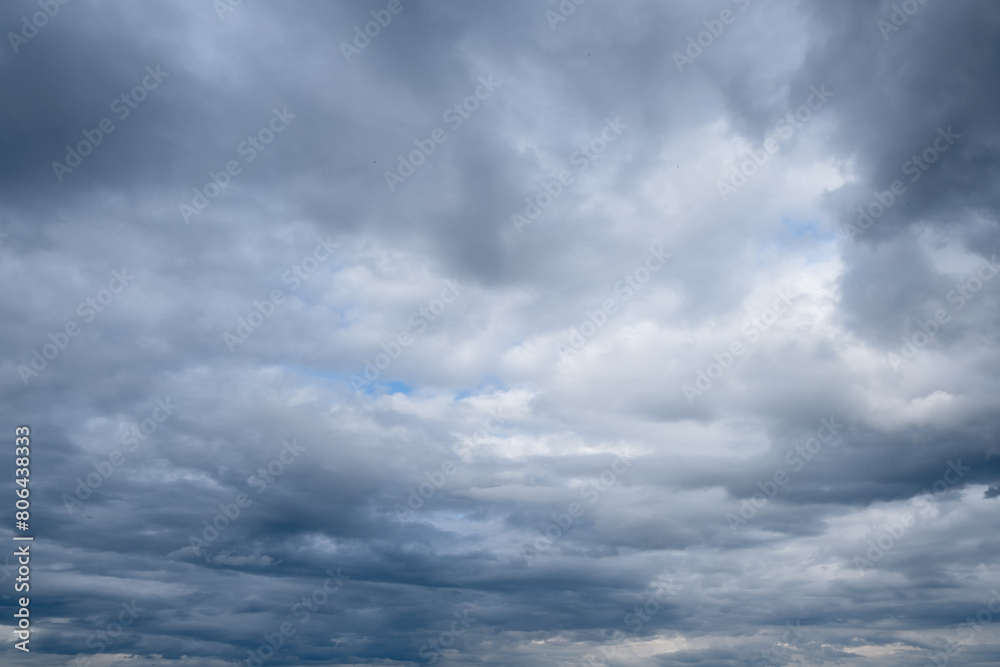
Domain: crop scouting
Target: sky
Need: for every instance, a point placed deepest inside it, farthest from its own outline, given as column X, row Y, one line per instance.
column 428, row 332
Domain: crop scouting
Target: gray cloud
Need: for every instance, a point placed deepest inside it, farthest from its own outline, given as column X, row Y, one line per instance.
column 324, row 492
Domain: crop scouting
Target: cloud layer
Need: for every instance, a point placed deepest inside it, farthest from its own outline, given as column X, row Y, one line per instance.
column 522, row 333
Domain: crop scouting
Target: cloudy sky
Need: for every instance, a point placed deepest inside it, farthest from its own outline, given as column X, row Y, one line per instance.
column 406, row 332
